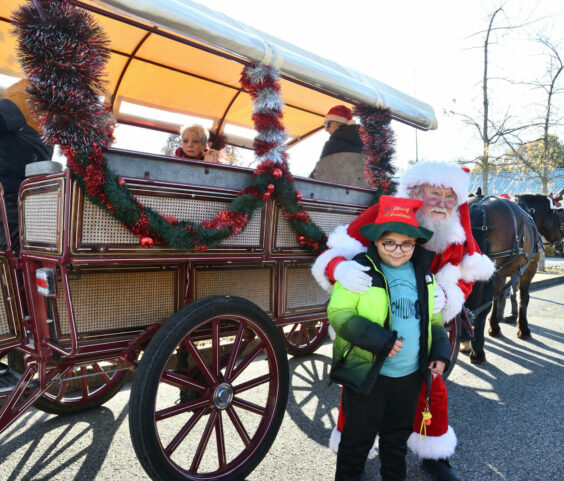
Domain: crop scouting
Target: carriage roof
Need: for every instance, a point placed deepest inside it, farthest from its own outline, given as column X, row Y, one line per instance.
column 183, row 57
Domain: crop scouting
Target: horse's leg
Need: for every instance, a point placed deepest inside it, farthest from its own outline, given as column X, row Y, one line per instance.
column 523, row 331
column 482, row 293
column 514, row 306
column 497, row 310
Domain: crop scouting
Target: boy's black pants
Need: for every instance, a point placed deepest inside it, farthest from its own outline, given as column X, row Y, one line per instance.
column 389, row 411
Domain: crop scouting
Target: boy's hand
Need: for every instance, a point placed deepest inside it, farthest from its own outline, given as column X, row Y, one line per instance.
column 396, row 348
column 437, row 367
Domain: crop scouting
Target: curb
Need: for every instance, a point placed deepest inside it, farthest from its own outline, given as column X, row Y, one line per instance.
column 547, row 282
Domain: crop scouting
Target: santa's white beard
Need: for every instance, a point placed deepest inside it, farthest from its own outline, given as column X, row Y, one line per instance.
column 445, row 231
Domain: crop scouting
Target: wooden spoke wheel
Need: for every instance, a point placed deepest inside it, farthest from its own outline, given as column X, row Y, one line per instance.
column 210, row 392
column 453, row 329
column 304, row 338
column 81, row 387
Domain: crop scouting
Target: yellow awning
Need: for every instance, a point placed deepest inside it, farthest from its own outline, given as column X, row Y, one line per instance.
column 190, row 62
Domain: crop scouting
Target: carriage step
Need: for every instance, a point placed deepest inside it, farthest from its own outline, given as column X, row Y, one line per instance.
column 8, row 381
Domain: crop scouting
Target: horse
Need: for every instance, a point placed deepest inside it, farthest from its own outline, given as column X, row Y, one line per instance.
column 509, row 235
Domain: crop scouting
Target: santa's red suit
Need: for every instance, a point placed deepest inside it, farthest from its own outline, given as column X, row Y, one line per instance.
column 456, row 269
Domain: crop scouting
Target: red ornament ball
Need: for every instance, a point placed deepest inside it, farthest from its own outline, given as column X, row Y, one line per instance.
column 266, row 195
column 270, row 188
column 147, row 242
column 302, row 239
column 121, row 181
column 298, row 195
column 277, row 173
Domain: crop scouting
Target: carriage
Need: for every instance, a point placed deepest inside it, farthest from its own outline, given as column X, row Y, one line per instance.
column 89, row 299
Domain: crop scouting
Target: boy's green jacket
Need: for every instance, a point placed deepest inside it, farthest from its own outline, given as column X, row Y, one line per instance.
column 363, row 325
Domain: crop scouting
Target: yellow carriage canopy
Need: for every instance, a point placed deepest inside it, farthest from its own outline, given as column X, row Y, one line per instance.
column 182, row 57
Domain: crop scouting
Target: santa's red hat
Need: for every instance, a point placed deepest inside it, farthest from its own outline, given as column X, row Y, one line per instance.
column 434, row 439
column 341, row 114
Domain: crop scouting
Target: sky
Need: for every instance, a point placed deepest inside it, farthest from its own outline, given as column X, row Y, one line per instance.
column 430, row 50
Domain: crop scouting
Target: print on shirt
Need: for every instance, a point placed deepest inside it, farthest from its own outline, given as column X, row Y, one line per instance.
column 404, row 307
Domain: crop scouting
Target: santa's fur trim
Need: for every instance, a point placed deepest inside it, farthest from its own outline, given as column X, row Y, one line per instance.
column 440, row 174
column 340, row 243
column 335, row 439
column 476, row 267
column 433, row 447
column 454, row 301
column 319, row 266
column 346, row 245
column 448, row 274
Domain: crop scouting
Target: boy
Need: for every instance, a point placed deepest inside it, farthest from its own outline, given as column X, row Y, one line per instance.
column 387, row 340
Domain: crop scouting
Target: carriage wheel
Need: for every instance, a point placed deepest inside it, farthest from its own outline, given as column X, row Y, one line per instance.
column 210, row 392
column 453, row 329
column 82, row 387
column 304, row 338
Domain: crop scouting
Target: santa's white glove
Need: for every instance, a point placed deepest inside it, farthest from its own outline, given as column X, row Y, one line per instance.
column 439, row 299
column 352, row 276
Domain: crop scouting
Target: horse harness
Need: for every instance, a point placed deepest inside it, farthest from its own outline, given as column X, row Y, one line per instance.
column 515, row 251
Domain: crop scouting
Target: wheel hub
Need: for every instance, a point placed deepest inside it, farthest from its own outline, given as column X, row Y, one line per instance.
column 223, row 395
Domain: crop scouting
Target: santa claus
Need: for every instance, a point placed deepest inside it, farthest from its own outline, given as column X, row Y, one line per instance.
column 458, row 263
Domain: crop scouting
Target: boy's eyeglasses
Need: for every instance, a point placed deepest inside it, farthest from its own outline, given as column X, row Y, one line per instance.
column 391, row 246
column 326, row 125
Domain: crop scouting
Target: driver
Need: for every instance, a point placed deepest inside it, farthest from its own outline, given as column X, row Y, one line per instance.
column 457, row 264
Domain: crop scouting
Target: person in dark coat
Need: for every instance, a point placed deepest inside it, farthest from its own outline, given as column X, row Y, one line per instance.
column 20, row 144
column 341, row 157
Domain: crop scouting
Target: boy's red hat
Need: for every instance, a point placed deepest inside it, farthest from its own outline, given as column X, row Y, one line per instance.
column 396, row 214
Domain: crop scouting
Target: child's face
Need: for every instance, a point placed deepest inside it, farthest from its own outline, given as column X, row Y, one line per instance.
column 192, row 144
column 402, row 247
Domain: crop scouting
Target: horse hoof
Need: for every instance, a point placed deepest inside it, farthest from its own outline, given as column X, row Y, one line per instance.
column 465, row 347
column 495, row 332
column 478, row 359
column 524, row 335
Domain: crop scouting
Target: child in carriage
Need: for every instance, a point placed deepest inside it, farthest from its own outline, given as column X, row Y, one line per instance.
column 382, row 373
column 195, row 145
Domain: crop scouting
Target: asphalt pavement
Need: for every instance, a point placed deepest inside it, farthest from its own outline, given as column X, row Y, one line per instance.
column 507, row 415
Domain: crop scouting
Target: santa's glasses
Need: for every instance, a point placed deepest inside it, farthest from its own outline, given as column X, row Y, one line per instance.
column 391, row 246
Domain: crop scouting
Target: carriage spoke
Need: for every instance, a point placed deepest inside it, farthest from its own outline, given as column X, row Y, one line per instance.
column 181, row 408
column 220, row 440
column 299, row 336
column 184, row 432
column 234, row 350
column 249, row 406
column 177, row 379
column 63, row 384
column 239, row 426
column 199, row 361
column 198, row 455
column 244, row 364
column 294, row 327
column 84, row 381
column 101, row 373
column 215, row 348
column 306, row 335
column 252, row 383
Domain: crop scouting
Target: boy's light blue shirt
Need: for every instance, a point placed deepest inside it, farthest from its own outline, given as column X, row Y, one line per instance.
column 405, row 319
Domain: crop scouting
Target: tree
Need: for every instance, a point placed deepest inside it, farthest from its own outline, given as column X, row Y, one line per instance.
column 539, row 156
column 545, row 154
